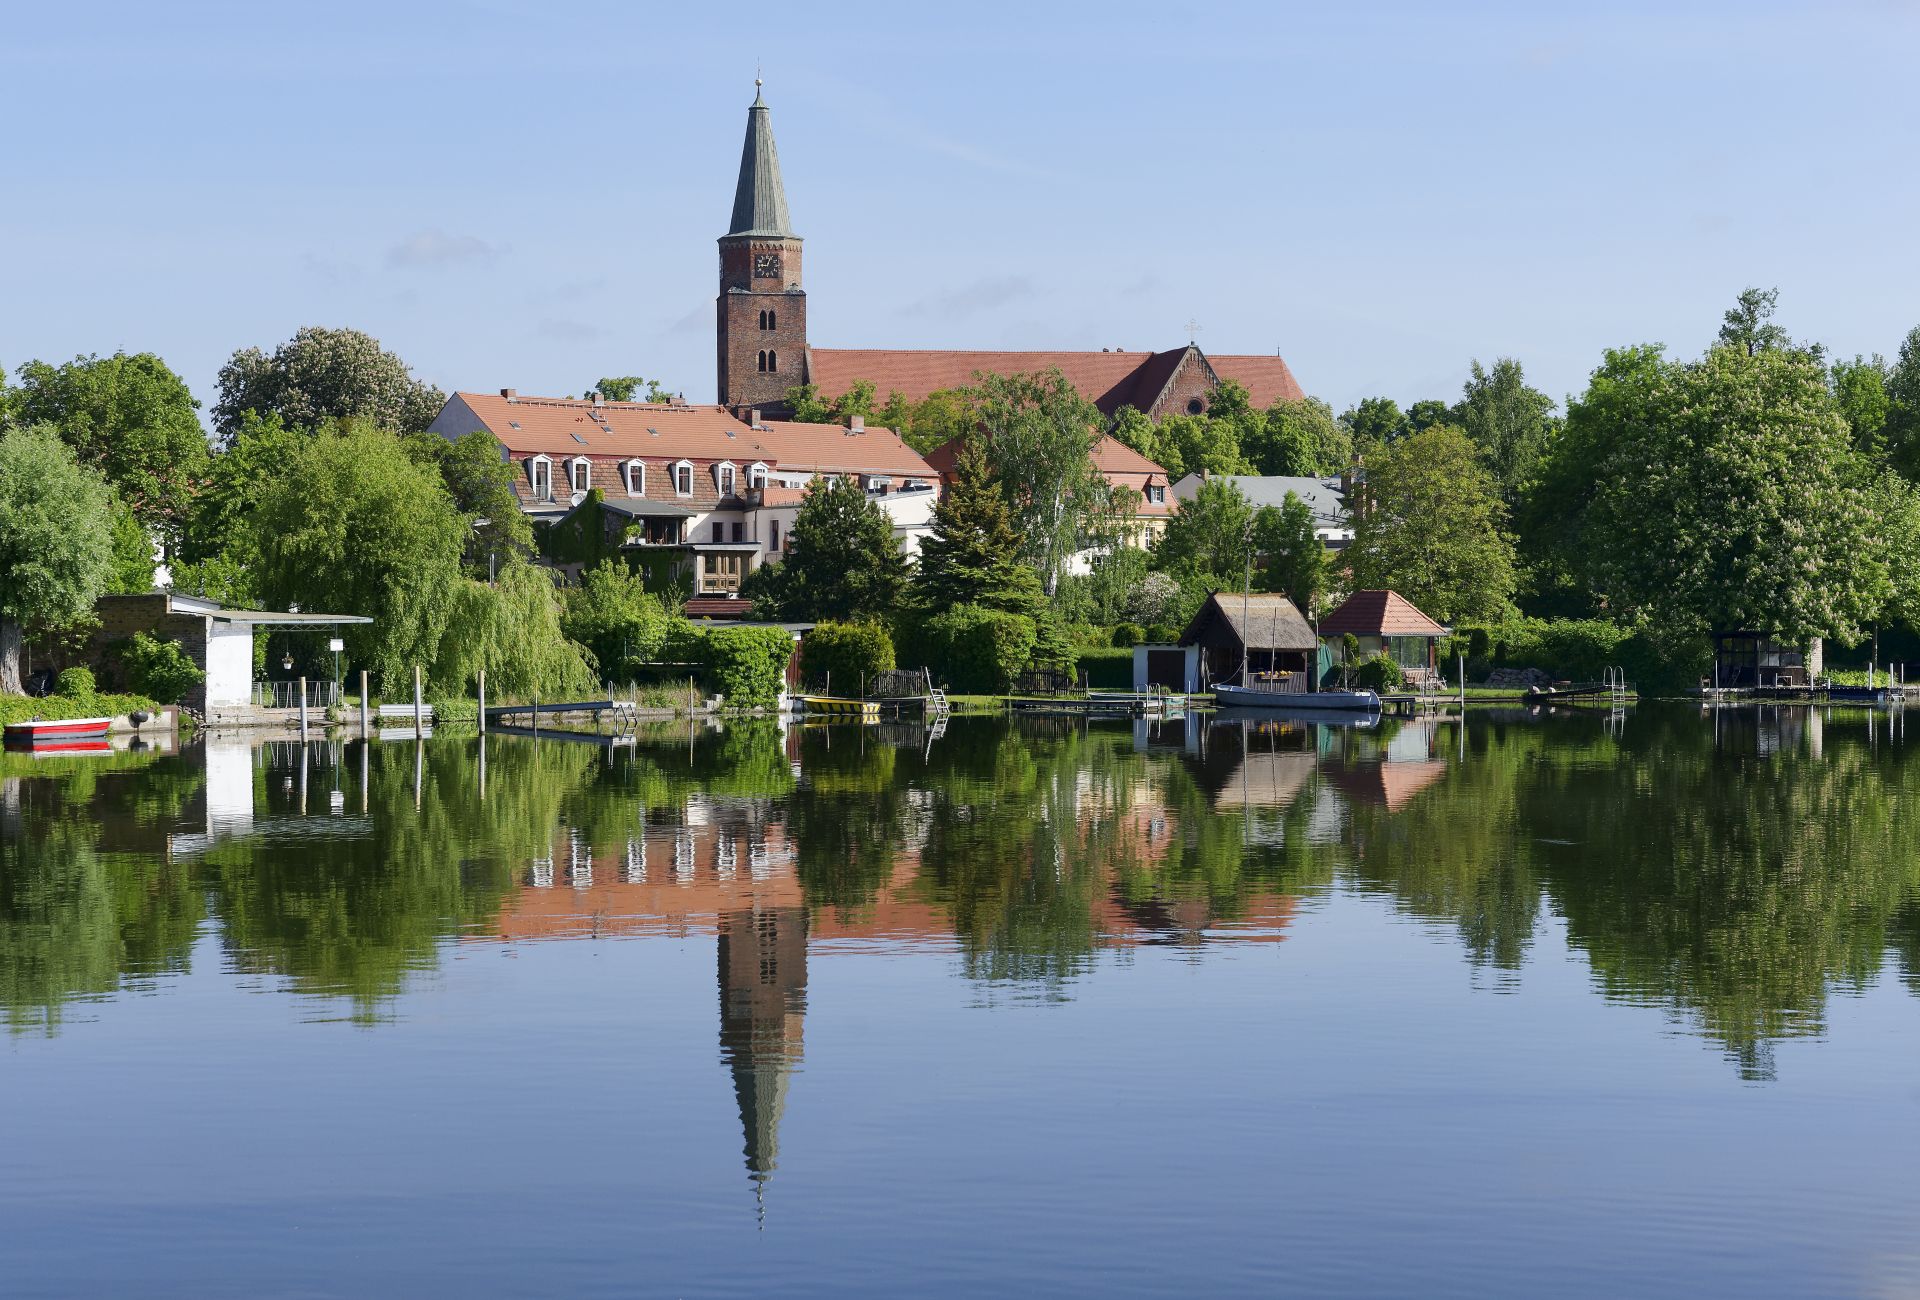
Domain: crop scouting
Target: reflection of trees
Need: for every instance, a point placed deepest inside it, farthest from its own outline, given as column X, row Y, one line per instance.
column 77, row 919
column 845, row 817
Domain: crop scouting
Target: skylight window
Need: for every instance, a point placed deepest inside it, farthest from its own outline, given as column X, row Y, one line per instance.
column 582, row 441
column 513, row 424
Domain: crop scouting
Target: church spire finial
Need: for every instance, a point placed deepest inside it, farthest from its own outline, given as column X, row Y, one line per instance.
column 760, row 200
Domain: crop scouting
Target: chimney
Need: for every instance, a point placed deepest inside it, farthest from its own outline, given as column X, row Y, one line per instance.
column 598, row 400
column 858, row 424
column 511, row 394
column 753, row 418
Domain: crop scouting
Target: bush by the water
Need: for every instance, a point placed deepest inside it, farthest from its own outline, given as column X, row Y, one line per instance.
column 75, row 684
column 847, row 653
column 1579, row 650
column 160, row 669
column 977, row 651
column 1378, row 674
column 747, row 665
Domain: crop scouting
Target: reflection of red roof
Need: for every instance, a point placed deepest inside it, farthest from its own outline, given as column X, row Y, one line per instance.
column 1390, row 784
column 836, row 449
column 1378, row 613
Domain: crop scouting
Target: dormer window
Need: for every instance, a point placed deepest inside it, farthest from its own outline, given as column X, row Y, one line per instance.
column 540, row 478
column 580, row 473
column 723, row 476
column 757, row 476
column 1157, row 493
column 878, row 483
column 683, row 478
column 636, row 476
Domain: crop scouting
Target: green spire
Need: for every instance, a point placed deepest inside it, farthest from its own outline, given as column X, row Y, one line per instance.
column 760, row 200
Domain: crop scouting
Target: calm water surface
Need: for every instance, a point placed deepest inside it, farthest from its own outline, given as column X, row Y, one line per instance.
column 1557, row 1005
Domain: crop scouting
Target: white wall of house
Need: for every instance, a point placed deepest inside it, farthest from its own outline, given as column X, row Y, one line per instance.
column 229, row 663
column 911, row 513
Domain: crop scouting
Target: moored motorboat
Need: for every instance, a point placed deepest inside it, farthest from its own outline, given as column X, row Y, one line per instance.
column 42, row 731
column 1250, row 697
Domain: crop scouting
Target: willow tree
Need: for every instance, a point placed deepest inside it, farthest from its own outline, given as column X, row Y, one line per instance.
column 357, row 526
column 56, row 540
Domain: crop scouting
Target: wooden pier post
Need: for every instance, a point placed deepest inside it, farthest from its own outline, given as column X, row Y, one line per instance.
column 483, row 711
column 419, row 713
column 366, row 711
column 303, row 727
column 536, row 715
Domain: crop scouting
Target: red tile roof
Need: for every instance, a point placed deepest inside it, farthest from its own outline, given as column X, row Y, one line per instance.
column 1109, row 380
column 1111, row 456
column 556, row 426
column 1266, row 379
column 835, row 449
column 1378, row 613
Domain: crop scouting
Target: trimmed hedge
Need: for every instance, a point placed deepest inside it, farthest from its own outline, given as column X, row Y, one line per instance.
column 1109, row 667
column 747, row 665
column 851, row 653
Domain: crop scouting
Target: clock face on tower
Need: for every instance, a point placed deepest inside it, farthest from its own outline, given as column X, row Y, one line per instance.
column 766, row 266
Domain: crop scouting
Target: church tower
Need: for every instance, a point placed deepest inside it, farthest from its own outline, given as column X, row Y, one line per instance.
column 762, row 311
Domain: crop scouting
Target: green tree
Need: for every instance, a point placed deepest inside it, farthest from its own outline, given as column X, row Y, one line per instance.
column 321, row 374
column 1193, row 444
column 843, row 560
column 479, row 478
column 1511, row 423
column 1902, row 427
column 1296, row 558
column 971, row 557
column 356, row 526
column 1860, row 389
column 1374, row 420
column 1038, row 438
column 130, row 418
column 1423, row 415
column 221, row 520
column 621, row 388
column 620, row 622
column 56, row 545
column 1748, row 325
column 934, row 420
column 1133, row 429
column 131, row 573
column 1431, row 526
column 1209, row 533
column 1299, row 438
column 1729, row 496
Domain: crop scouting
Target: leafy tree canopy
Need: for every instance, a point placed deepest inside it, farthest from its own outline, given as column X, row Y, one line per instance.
column 972, row 555
column 1509, row 421
column 479, row 478
column 321, row 374
column 1375, row 419
column 843, row 560
column 1299, row 438
column 1430, row 526
column 622, row 388
column 56, row 539
column 130, row 418
column 356, row 526
column 1038, row 437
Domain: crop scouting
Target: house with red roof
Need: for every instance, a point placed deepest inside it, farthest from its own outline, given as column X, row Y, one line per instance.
column 1385, row 622
column 711, row 495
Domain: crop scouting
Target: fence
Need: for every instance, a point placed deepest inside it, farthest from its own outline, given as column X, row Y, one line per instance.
column 286, row 695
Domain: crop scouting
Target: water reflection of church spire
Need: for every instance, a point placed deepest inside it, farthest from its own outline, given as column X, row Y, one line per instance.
column 763, row 995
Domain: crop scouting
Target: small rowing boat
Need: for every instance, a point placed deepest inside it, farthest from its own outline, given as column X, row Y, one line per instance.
column 40, row 731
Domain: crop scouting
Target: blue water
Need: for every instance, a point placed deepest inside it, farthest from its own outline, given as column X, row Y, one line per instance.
column 1422, row 1044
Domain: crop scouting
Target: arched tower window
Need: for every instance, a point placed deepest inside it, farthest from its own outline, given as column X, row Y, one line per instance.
column 773, row 319
column 773, row 360
column 763, row 362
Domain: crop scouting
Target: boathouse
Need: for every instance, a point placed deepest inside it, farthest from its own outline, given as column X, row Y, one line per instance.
column 1385, row 622
column 1264, row 630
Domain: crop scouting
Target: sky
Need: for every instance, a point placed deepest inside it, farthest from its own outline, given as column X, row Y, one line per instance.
column 527, row 195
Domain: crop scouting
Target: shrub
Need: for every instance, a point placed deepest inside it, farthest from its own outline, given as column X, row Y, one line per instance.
column 851, row 652
column 747, row 665
column 1126, row 634
column 159, row 669
column 978, row 651
column 1109, row 667
column 616, row 618
column 1378, row 673
column 75, row 684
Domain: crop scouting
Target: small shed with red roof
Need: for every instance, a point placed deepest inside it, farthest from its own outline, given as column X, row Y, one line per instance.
column 1385, row 622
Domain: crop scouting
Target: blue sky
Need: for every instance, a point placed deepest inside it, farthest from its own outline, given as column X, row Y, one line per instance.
column 527, row 194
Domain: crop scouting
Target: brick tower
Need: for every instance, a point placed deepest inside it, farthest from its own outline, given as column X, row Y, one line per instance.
column 762, row 311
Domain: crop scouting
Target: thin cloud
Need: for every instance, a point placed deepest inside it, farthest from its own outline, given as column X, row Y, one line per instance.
column 568, row 331
column 988, row 294
column 438, row 248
